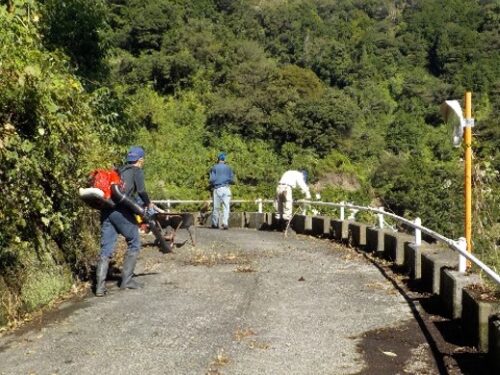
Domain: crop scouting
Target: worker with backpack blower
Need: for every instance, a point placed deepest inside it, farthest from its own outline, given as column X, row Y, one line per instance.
column 121, row 220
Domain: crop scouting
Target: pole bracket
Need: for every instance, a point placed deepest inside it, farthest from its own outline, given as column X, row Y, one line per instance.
column 469, row 123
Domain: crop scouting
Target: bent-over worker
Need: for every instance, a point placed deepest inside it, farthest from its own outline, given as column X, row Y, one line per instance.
column 283, row 203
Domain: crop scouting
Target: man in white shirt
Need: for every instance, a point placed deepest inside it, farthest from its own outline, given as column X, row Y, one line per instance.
column 283, row 203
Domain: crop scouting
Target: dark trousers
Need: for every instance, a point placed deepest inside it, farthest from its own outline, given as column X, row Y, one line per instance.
column 118, row 221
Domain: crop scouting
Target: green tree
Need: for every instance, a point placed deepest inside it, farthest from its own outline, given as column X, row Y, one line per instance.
column 413, row 186
column 139, row 25
column 323, row 124
column 76, row 27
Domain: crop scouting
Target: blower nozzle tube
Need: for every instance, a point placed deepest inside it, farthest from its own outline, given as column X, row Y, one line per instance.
column 121, row 199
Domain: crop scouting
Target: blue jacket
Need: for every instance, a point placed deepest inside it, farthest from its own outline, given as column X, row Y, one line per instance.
column 221, row 174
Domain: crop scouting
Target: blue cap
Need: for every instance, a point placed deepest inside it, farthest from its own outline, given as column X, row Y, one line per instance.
column 221, row 156
column 135, row 153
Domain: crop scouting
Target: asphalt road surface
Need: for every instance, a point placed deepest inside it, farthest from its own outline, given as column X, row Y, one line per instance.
column 240, row 302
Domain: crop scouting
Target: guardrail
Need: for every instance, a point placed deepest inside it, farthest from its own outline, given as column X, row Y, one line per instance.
column 459, row 245
column 169, row 202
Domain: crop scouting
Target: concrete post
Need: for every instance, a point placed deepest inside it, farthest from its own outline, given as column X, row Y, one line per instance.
column 462, row 261
column 259, row 204
column 381, row 218
column 418, row 233
column 342, row 211
column 352, row 214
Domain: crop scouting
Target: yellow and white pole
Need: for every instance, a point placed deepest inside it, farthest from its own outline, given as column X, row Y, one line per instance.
column 468, row 170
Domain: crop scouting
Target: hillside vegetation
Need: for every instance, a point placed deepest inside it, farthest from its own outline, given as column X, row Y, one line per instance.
column 349, row 90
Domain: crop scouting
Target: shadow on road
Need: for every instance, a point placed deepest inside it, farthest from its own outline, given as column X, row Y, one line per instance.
column 452, row 354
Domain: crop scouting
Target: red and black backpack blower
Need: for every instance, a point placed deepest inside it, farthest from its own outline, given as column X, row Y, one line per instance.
column 106, row 193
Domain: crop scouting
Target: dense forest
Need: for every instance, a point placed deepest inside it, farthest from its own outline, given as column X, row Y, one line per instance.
column 349, row 90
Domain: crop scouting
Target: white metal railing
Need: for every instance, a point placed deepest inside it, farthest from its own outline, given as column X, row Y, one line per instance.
column 459, row 246
column 169, row 202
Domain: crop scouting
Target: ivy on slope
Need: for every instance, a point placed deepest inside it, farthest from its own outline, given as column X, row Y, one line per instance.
column 46, row 144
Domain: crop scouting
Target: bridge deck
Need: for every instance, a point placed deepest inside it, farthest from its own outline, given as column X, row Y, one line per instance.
column 241, row 302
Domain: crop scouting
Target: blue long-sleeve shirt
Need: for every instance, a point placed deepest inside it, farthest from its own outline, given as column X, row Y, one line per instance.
column 221, row 174
column 133, row 181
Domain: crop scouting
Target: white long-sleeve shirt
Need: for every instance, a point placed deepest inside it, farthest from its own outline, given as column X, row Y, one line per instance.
column 295, row 179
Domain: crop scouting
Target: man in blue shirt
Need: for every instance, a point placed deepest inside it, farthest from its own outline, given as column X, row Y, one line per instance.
column 221, row 176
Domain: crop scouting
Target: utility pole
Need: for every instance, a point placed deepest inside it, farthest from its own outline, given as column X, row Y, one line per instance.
column 462, row 131
column 468, row 170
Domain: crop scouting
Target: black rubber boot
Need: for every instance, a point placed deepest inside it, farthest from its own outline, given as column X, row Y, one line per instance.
column 282, row 225
column 101, row 273
column 128, row 271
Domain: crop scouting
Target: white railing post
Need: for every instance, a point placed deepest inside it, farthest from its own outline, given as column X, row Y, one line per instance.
column 352, row 213
column 418, row 233
column 259, row 205
column 168, row 205
column 381, row 218
column 342, row 211
column 304, row 209
column 462, row 262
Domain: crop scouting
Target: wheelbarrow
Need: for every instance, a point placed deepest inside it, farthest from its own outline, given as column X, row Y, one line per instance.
column 165, row 226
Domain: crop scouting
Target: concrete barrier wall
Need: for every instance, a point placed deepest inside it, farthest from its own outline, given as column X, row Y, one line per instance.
column 236, row 220
column 357, row 235
column 321, row 226
column 476, row 314
column 412, row 262
column 302, row 224
column 375, row 240
column 254, row 220
column 451, row 285
column 413, row 258
column 394, row 246
column 494, row 343
column 340, row 230
column 432, row 263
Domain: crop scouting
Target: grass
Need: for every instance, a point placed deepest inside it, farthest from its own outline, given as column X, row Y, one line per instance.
column 42, row 286
column 244, row 335
column 12, row 306
column 254, row 344
column 213, row 258
column 241, row 333
column 244, row 269
column 220, row 360
column 9, row 310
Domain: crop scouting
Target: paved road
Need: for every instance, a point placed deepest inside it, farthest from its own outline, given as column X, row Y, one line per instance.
column 241, row 302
